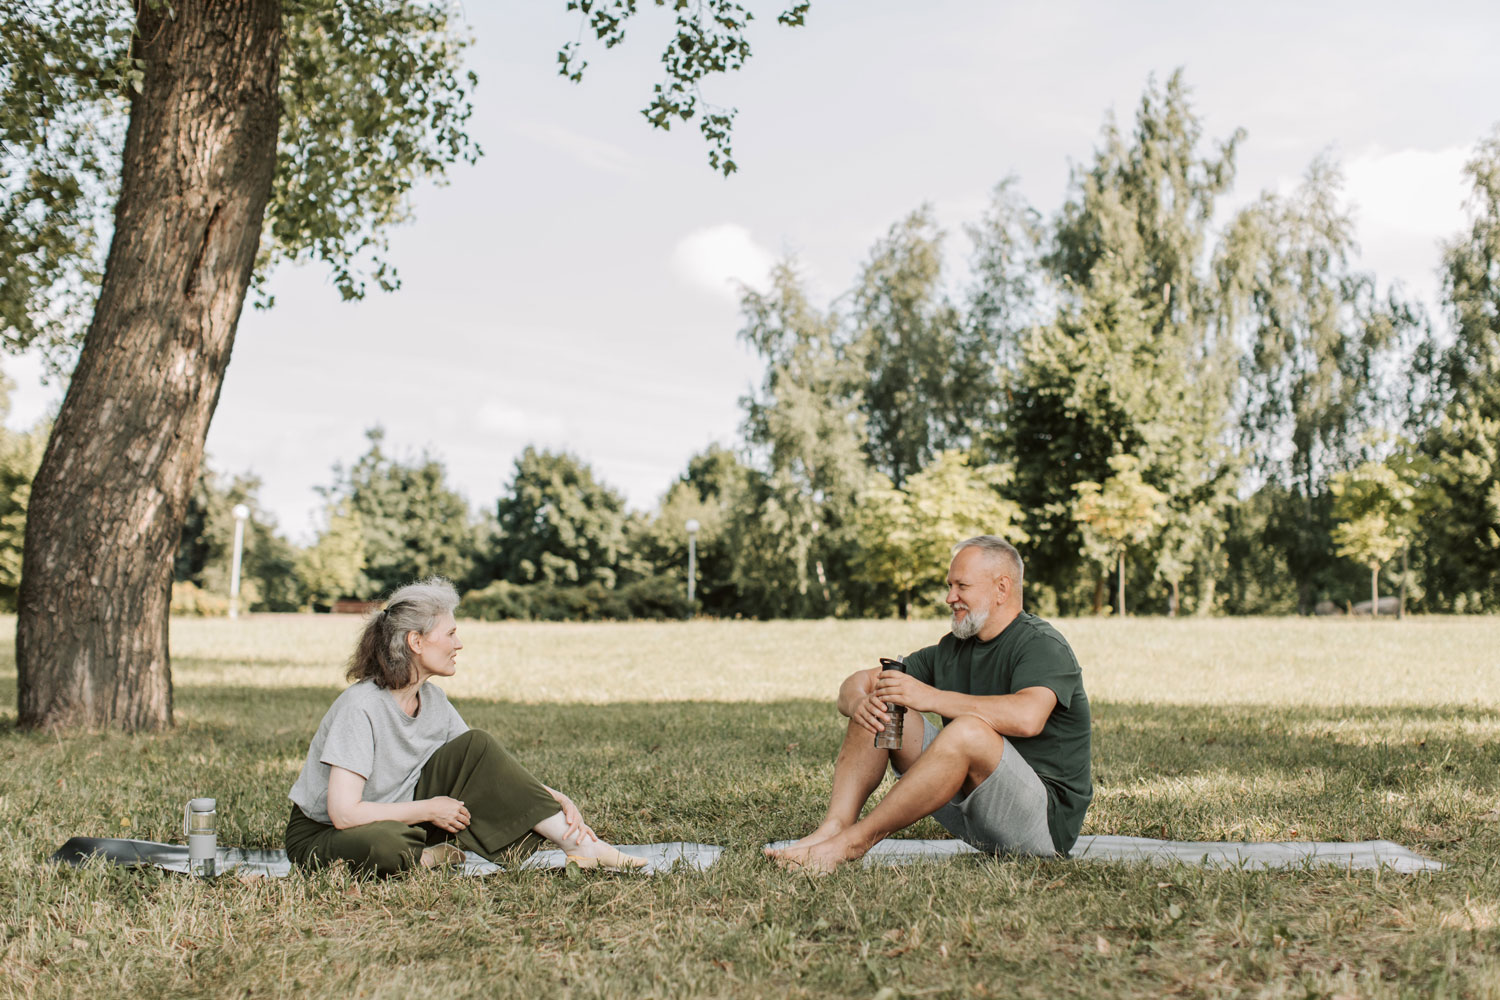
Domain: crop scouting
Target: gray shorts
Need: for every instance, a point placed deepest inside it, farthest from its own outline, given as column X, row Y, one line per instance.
column 1006, row 814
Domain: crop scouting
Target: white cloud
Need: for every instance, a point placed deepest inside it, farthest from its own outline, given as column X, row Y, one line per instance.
column 1419, row 192
column 1405, row 203
column 591, row 152
column 511, row 422
column 716, row 257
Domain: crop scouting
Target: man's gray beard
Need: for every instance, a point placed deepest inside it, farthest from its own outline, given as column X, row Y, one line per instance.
column 969, row 627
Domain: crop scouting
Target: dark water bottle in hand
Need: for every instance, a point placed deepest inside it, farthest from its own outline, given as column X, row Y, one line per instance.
column 889, row 738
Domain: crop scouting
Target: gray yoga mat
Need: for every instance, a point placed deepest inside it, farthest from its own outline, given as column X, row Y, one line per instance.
column 1212, row 854
column 273, row 864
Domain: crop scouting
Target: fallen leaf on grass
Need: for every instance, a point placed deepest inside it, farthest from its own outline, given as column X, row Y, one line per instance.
column 894, row 934
column 1493, row 816
column 1101, row 945
column 79, row 944
column 725, row 965
column 1054, row 885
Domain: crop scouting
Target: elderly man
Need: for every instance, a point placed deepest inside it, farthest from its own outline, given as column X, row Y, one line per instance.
column 1009, row 770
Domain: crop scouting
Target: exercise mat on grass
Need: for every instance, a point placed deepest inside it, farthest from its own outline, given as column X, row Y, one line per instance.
column 274, row 864
column 1212, row 854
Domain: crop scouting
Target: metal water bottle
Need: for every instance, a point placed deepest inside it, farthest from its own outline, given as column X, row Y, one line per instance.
column 889, row 738
column 200, row 824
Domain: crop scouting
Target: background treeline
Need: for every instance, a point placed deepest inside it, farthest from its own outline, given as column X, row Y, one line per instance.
column 1164, row 403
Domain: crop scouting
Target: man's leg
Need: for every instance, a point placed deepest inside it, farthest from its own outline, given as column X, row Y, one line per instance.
column 856, row 774
column 962, row 756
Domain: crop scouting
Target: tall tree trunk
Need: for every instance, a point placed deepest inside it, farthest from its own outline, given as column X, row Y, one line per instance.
column 1100, row 583
column 1374, row 592
column 1176, row 597
column 903, row 605
column 109, row 498
column 1122, row 583
column 1405, row 568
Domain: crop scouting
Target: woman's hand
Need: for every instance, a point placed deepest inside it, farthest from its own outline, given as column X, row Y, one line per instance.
column 577, row 828
column 447, row 814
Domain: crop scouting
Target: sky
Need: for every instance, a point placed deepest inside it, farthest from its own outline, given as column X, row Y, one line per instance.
column 575, row 290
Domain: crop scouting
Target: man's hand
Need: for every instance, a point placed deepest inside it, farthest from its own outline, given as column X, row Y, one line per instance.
column 447, row 813
column 894, row 687
column 870, row 713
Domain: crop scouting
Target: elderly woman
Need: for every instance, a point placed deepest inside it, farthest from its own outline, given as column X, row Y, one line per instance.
column 394, row 777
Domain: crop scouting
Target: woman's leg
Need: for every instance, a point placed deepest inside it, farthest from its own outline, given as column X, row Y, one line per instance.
column 384, row 848
column 507, row 805
column 505, row 801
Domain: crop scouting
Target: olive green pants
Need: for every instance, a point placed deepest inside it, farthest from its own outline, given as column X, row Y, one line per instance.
column 503, row 798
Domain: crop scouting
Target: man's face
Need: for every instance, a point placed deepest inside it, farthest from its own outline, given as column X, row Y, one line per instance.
column 973, row 591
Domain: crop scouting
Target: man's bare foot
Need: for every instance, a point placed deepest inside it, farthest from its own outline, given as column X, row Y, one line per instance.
column 816, row 859
column 828, row 828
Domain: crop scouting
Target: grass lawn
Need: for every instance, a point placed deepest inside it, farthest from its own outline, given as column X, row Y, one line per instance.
column 724, row 733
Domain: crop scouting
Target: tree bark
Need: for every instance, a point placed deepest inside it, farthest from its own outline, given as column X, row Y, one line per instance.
column 108, row 500
column 1405, row 568
column 1122, row 583
column 1374, row 592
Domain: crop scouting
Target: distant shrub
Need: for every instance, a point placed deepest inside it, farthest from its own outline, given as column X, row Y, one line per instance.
column 592, row 602
column 659, row 598
column 193, row 601
column 500, row 601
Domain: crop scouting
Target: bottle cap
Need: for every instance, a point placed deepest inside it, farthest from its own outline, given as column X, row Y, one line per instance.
column 202, row 805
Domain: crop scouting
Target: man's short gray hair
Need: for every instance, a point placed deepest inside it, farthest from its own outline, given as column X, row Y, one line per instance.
column 997, row 548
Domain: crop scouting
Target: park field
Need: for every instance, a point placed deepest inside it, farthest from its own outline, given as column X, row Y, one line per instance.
column 723, row 732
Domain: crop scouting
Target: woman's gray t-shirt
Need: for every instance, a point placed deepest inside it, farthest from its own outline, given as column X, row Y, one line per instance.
column 365, row 731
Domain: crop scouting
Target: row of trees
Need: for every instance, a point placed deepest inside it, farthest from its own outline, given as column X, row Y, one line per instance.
column 1206, row 414
column 1210, row 415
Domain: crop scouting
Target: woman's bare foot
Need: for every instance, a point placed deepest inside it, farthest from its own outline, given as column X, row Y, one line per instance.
column 596, row 853
column 441, row 855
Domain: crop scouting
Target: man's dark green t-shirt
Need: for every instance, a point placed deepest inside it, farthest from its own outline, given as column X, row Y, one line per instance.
column 1029, row 653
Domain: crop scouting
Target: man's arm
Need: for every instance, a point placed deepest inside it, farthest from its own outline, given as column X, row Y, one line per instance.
column 1023, row 713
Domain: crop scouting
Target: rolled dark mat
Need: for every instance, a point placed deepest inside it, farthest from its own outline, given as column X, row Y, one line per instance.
column 169, row 857
column 121, row 852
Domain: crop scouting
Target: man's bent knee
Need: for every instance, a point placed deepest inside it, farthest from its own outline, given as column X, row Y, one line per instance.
column 972, row 734
column 977, row 742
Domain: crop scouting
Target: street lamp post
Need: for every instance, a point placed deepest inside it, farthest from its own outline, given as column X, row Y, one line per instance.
column 692, row 530
column 240, row 513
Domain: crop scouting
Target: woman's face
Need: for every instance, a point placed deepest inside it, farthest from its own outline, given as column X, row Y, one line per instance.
column 437, row 649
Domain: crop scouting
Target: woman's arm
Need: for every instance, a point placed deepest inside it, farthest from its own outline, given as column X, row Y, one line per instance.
column 347, row 807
